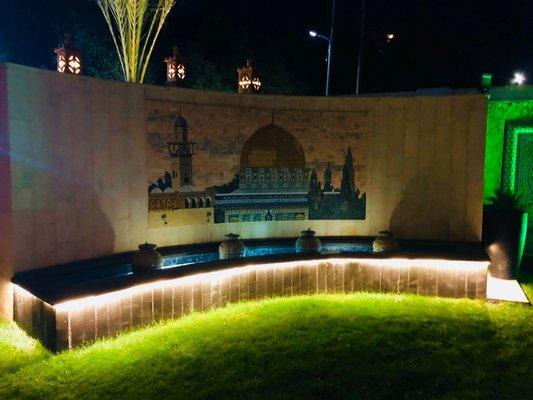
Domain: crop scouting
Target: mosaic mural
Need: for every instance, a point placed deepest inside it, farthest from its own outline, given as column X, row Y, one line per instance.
column 272, row 179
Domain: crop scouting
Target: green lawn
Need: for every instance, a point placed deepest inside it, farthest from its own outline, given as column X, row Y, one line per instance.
column 17, row 349
column 367, row 346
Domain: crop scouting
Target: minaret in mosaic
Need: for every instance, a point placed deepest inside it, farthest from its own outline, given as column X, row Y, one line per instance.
column 181, row 150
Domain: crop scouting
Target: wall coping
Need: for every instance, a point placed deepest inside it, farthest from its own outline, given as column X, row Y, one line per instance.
column 340, row 103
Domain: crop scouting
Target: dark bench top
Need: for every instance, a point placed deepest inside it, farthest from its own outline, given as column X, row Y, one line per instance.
column 101, row 275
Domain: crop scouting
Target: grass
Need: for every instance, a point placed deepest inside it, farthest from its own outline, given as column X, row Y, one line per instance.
column 17, row 349
column 367, row 346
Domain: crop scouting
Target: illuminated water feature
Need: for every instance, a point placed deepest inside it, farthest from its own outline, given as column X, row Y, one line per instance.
column 263, row 250
column 66, row 306
column 199, row 257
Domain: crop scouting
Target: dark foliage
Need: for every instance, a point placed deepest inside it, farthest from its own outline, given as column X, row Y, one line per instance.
column 328, row 187
column 315, row 191
column 348, row 177
column 348, row 203
column 506, row 200
column 229, row 187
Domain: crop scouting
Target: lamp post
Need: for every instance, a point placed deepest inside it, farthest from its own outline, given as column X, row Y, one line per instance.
column 247, row 80
column 329, row 39
column 176, row 71
column 68, row 57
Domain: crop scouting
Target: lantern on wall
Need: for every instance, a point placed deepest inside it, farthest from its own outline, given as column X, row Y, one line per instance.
column 68, row 57
column 176, row 71
column 256, row 83
column 247, row 81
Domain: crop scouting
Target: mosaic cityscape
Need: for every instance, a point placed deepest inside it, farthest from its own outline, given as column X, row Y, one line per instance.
column 273, row 182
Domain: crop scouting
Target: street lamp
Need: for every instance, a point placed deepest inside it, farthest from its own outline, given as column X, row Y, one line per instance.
column 519, row 78
column 329, row 39
column 316, row 34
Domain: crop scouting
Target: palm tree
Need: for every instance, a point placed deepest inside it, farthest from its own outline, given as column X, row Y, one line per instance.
column 134, row 26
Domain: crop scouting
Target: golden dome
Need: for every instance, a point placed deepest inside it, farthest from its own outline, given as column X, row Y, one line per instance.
column 272, row 147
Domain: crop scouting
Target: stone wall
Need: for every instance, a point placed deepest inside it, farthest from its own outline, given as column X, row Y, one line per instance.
column 80, row 157
column 6, row 257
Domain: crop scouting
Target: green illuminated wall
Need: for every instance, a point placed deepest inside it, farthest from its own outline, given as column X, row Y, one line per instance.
column 499, row 113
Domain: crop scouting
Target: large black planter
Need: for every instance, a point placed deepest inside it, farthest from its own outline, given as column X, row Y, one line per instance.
column 503, row 237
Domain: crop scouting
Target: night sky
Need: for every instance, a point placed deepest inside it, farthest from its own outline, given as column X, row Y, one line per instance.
column 438, row 42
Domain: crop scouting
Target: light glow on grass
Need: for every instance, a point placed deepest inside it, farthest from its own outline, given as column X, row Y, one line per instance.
column 320, row 346
column 217, row 276
column 14, row 337
column 17, row 348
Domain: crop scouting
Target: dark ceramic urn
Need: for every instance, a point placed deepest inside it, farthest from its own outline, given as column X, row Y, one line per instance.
column 147, row 258
column 232, row 247
column 504, row 237
column 385, row 242
column 308, row 242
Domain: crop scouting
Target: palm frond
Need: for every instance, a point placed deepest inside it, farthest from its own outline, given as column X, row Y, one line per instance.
column 135, row 26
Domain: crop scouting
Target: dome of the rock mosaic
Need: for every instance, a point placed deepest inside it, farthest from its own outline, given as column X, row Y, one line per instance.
column 272, row 147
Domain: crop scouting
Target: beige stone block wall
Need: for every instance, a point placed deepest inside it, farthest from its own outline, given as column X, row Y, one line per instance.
column 78, row 155
column 80, row 163
column 426, row 170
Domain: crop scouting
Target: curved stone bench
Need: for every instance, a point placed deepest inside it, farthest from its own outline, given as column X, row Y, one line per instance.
column 141, row 300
